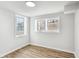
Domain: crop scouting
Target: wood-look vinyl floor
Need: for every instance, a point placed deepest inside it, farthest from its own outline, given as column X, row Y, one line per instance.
column 32, row 51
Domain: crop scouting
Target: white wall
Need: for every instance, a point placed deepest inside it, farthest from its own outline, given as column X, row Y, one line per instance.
column 8, row 42
column 77, row 33
column 60, row 41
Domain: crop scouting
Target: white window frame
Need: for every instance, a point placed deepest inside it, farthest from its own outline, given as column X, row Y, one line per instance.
column 25, row 25
column 46, row 23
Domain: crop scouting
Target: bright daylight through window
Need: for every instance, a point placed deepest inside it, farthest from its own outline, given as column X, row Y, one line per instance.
column 20, row 24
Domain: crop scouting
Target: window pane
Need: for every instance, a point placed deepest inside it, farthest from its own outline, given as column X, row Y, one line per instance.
column 19, row 25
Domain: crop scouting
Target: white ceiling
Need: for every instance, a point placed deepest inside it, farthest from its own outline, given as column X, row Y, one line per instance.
column 42, row 7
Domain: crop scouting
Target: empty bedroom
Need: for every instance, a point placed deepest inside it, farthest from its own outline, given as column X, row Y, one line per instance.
column 39, row 29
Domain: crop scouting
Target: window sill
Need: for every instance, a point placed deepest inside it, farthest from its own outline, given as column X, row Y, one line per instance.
column 20, row 35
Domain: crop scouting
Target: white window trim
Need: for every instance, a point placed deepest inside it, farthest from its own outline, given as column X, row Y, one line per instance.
column 25, row 25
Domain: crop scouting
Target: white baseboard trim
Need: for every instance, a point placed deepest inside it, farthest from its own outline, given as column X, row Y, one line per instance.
column 77, row 54
column 52, row 48
column 8, row 52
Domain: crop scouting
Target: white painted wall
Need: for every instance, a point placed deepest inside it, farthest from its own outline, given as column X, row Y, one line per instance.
column 8, row 42
column 60, row 41
column 77, row 33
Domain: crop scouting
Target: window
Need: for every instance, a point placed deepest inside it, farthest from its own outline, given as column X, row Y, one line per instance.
column 20, row 24
column 48, row 25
